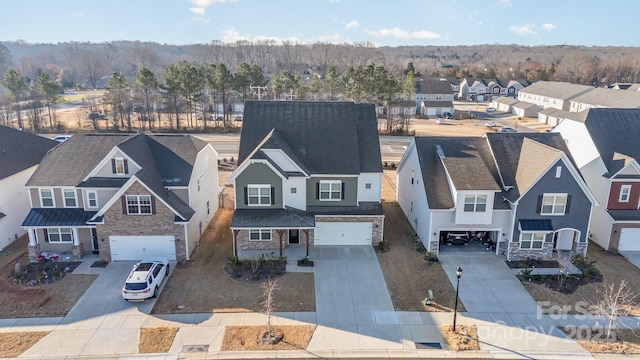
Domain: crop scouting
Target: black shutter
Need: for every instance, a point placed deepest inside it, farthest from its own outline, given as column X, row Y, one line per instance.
column 273, row 195
column 317, row 190
column 46, row 235
column 539, row 206
column 153, row 204
column 113, row 165
column 126, row 166
column 123, row 200
column 342, row 189
column 566, row 208
column 246, row 196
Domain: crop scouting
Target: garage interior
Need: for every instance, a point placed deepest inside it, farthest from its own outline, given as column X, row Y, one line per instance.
column 468, row 241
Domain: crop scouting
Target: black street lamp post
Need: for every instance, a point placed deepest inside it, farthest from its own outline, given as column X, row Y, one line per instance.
column 455, row 307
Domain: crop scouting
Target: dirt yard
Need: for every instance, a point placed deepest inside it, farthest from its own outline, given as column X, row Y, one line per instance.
column 204, row 286
column 614, row 268
column 408, row 275
column 55, row 299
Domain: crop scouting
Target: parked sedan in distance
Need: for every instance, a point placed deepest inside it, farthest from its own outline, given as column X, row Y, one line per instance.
column 490, row 124
column 440, row 121
column 490, row 109
column 145, row 278
column 506, row 130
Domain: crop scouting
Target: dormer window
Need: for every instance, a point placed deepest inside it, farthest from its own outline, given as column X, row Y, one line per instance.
column 475, row 203
column 119, row 166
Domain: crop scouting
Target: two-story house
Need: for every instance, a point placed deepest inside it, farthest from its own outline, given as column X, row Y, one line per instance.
column 309, row 174
column 605, row 98
column 20, row 154
column 521, row 191
column 434, row 97
column 552, row 94
column 473, row 89
column 605, row 147
column 125, row 197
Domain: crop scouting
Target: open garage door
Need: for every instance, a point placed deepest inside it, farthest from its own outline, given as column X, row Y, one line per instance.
column 342, row 233
column 140, row 247
column 629, row 239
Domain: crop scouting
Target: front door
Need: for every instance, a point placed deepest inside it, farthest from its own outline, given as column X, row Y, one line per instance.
column 94, row 241
column 564, row 239
column 294, row 236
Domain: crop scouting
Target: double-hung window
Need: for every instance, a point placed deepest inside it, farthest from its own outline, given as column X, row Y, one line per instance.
column 46, row 198
column 60, row 235
column 553, row 204
column 475, row 203
column 625, row 190
column 69, row 198
column 259, row 235
column 92, row 199
column 259, row 195
column 330, row 190
column 531, row 240
column 139, row 204
column 119, row 166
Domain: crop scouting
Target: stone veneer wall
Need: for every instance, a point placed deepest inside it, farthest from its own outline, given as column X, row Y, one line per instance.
column 118, row 224
column 580, row 248
column 376, row 224
column 243, row 242
column 616, row 230
column 515, row 253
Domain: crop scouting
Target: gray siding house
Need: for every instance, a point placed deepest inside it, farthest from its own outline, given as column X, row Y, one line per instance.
column 310, row 175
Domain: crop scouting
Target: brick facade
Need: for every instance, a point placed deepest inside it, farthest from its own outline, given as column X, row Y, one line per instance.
column 243, row 242
column 117, row 223
column 616, row 230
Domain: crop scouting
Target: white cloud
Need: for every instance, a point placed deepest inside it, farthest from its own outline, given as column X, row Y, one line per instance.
column 232, row 35
column 404, row 34
column 524, row 30
column 199, row 6
column 549, row 26
column 76, row 14
column 505, row 3
column 351, row 25
column 201, row 19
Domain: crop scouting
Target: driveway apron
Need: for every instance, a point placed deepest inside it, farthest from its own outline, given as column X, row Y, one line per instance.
column 633, row 257
column 487, row 284
column 350, row 287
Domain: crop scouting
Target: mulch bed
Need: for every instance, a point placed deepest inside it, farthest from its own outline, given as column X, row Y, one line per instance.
column 243, row 271
column 569, row 286
column 99, row 264
column 42, row 273
column 523, row 264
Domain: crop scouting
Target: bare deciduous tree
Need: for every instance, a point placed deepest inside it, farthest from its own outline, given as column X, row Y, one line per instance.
column 270, row 336
column 612, row 301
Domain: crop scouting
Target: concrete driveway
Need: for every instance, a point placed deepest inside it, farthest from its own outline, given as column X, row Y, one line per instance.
column 487, row 285
column 104, row 296
column 632, row 256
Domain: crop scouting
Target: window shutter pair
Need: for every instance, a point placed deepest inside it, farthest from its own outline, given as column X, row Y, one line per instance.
column 113, row 166
column 342, row 189
column 566, row 208
column 123, row 201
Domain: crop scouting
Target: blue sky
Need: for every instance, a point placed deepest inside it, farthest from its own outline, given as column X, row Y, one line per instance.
column 383, row 23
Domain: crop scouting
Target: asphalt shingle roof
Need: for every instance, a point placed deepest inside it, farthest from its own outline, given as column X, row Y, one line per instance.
column 555, row 89
column 610, row 98
column 285, row 218
column 435, row 87
column 325, row 137
column 21, row 150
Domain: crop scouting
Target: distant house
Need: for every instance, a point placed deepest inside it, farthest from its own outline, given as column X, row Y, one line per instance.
column 525, row 109
column 604, row 144
column 473, row 89
column 552, row 94
column 20, row 154
column 434, row 98
column 522, row 192
column 554, row 117
column 503, row 104
column 605, row 98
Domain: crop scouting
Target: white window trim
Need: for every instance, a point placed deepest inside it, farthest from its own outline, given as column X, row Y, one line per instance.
column 475, row 203
column 261, row 232
column 555, row 196
column 533, row 234
column 628, row 194
column 75, row 198
column 126, row 198
column 258, row 186
column 89, row 200
column 119, row 159
column 58, row 232
column 53, row 198
column 330, row 182
column 558, row 171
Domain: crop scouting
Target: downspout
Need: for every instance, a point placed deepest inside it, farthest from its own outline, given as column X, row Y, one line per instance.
column 186, row 243
column 510, row 233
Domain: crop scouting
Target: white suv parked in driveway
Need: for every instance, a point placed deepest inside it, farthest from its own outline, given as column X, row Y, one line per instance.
column 145, row 278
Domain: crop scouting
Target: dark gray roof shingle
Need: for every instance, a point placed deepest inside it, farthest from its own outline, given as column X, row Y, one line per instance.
column 285, row 218
column 435, row 87
column 323, row 136
column 21, row 150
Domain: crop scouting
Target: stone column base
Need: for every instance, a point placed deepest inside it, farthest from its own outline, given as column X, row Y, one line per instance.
column 78, row 252
column 34, row 252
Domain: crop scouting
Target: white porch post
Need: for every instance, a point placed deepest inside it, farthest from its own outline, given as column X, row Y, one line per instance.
column 33, row 240
column 76, row 240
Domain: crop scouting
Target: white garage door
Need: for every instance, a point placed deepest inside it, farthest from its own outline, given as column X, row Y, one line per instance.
column 629, row 239
column 431, row 112
column 334, row 233
column 140, row 247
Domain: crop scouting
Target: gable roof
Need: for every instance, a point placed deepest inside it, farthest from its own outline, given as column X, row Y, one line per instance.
column 614, row 131
column 505, row 100
column 324, row 137
column 435, row 87
column 555, row 89
column 610, row 98
column 21, row 150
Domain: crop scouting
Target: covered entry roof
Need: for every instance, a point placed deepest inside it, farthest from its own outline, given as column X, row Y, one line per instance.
column 57, row 217
column 535, row 225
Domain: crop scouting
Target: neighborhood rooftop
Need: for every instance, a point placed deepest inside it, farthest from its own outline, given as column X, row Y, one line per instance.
column 20, row 150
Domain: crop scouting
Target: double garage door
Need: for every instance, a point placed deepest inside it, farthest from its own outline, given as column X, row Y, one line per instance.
column 629, row 239
column 140, row 247
column 342, row 233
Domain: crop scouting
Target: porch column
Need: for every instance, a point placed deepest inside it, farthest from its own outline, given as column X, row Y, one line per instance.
column 280, row 235
column 33, row 241
column 235, row 244
column 78, row 250
column 306, row 235
column 74, row 233
column 33, row 250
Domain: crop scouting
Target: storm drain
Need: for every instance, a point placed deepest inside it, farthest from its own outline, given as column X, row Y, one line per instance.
column 428, row 345
column 195, row 348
